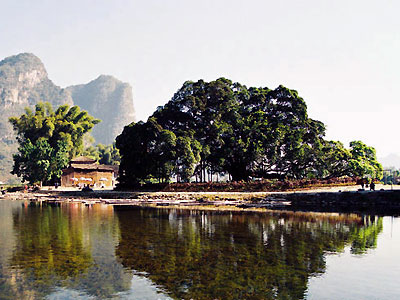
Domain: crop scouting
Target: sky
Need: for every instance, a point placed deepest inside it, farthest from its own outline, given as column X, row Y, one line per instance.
column 343, row 57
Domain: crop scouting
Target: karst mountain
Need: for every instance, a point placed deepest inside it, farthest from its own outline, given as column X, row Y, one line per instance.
column 24, row 82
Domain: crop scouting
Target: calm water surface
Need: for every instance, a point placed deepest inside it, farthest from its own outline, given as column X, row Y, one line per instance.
column 73, row 251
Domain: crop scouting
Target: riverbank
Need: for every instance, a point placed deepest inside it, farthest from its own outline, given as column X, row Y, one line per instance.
column 386, row 199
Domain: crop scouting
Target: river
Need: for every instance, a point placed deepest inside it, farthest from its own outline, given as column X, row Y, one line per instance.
column 73, row 251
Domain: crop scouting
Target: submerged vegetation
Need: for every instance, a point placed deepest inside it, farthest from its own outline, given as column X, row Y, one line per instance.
column 225, row 128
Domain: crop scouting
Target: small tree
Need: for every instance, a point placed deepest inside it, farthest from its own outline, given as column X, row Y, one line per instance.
column 48, row 139
column 40, row 162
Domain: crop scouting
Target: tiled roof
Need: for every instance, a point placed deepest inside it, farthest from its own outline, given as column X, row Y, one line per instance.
column 83, row 159
column 92, row 167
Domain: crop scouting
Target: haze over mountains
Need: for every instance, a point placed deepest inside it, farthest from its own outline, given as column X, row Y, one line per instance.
column 109, row 100
column 24, row 82
column 390, row 161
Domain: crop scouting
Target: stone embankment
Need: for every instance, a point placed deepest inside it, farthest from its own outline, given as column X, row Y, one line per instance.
column 382, row 201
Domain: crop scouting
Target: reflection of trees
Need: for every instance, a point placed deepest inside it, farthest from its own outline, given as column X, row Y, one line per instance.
column 209, row 255
column 105, row 277
column 49, row 246
column 6, row 247
column 69, row 246
column 365, row 237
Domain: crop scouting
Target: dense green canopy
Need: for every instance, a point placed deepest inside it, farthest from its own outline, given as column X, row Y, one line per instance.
column 48, row 139
column 103, row 154
column 225, row 127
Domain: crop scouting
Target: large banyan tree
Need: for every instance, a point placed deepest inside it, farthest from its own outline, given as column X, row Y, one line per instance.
column 223, row 127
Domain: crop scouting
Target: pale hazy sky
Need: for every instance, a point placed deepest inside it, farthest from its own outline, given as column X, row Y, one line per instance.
column 343, row 57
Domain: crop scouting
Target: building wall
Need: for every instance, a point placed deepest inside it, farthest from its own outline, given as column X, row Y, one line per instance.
column 95, row 175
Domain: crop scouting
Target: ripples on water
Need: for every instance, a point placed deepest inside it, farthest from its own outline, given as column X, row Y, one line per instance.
column 72, row 251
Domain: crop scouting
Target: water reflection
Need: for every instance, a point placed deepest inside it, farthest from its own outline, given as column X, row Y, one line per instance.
column 68, row 246
column 73, row 251
column 211, row 255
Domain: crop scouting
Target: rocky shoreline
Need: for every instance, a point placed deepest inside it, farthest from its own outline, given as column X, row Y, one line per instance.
column 352, row 200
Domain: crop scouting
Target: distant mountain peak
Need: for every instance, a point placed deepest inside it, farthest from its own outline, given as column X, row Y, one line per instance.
column 106, row 77
column 26, row 58
column 24, row 82
column 109, row 100
column 21, row 63
column 391, row 160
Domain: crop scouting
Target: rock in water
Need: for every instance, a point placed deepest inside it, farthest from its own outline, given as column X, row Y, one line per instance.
column 109, row 100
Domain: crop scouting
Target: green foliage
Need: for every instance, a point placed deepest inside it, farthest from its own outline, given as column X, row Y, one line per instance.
column 358, row 161
column 148, row 149
column 188, row 153
column 47, row 139
column 163, row 153
column 39, row 161
column 103, row 154
column 225, row 127
column 334, row 160
column 363, row 162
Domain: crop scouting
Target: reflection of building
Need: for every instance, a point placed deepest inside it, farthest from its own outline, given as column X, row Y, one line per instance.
column 84, row 170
